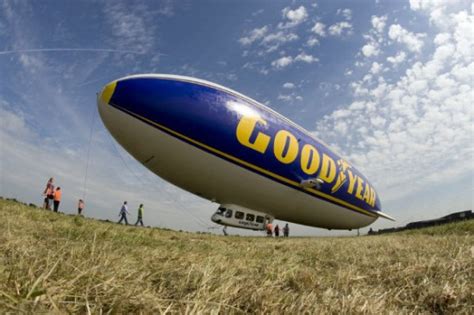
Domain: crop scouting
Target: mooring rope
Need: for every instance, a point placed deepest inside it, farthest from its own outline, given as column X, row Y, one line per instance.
column 84, row 187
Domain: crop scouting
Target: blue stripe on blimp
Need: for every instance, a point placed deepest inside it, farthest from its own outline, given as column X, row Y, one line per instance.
column 201, row 115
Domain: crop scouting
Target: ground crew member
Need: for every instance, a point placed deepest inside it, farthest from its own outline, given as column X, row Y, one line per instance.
column 48, row 193
column 123, row 213
column 80, row 206
column 286, row 230
column 57, row 199
column 269, row 229
column 140, row 215
column 277, row 230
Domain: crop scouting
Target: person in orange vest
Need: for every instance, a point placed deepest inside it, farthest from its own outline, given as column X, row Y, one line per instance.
column 48, row 193
column 80, row 206
column 269, row 229
column 57, row 199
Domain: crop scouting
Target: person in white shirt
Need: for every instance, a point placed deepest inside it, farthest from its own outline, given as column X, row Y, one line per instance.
column 123, row 213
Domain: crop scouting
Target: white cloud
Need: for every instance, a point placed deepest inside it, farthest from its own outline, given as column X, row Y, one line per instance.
column 282, row 62
column 442, row 38
column 285, row 61
column 294, row 17
column 231, row 77
column 290, row 97
column 416, row 131
column 413, row 42
column 131, row 26
column 289, row 85
column 166, row 8
column 398, row 58
column 306, row 58
column 254, row 35
column 271, row 41
column 279, row 37
column 263, row 71
column 283, row 97
column 439, row 10
column 31, row 62
column 376, row 68
column 258, row 12
column 341, row 28
column 312, row 41
column 12, row 123
column 346, row 13
column 374, row 37
column 370, row 49
column 319, row 29
column 267, row 42
column 379, row 22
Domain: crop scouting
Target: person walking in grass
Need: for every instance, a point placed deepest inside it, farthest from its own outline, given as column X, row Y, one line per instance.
column 48, row 194
column 123, row 213
column 80, row 206
column 57, row 199
column 140, row 215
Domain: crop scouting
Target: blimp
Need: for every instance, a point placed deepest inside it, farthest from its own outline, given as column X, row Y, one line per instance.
column 256, row 164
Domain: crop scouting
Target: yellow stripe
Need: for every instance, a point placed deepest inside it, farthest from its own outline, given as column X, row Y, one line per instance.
column 230, row 157
column 108, row 91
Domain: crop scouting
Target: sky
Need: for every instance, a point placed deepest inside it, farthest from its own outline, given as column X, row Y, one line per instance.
column 388, row 84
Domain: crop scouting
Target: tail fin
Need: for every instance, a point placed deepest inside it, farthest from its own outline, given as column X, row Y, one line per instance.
column 385, row 216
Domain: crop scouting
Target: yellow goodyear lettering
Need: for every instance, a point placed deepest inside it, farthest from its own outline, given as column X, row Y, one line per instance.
column 367, row 193
column 285, row 140
column 360, row 183
column 286, row 149
column 372, row 197
column 328, row 169
column 341, row 177
column 310, row 159
column 245, row 129
column 352, row 181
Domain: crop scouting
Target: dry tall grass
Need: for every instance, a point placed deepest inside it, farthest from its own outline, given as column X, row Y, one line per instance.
column 55, row 263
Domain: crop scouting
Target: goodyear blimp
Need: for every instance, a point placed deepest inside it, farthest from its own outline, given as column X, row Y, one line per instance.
column 226, row 147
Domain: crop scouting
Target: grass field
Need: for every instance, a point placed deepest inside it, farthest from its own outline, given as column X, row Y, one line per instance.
column 57, row 264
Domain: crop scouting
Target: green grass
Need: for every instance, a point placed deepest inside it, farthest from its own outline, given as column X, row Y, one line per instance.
column 53, row 263
column 459, row 228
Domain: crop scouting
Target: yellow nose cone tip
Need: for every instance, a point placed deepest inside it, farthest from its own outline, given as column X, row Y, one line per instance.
column 108, row 92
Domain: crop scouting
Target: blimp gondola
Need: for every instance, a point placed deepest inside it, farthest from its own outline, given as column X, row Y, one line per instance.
column 232, row 150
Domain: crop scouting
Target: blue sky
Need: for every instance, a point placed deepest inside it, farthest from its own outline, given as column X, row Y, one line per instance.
column 389, row 84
